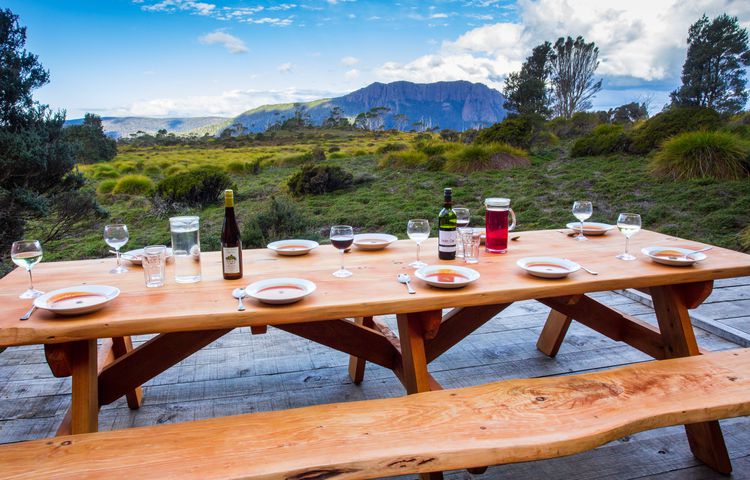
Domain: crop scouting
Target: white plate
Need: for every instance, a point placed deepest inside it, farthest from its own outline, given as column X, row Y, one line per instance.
column 373, row 241
column 136, row 256
column 548, row 267
column 89, row 299
column 591, row 228
column 453, row 276
column 665, row 260
column 292, row 248
column 279, row 291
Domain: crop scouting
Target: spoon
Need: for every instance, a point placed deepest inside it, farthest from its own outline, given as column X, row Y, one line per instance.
column 406, row 279
column 592, row 272
column 28, row 314
column 685, row 256
column 239, row 294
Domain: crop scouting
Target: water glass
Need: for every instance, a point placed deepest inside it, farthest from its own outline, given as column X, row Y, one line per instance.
column 186, row 247
column 26, row 254
column 418, row 229
column 154, row 265
column 471, row 240
column 116, row 235
column 463, row 218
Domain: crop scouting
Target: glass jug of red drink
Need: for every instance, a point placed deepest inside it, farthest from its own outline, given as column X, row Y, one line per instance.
column 496, row 221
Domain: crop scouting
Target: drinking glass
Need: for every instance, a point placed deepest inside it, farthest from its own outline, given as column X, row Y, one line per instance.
column 471, row 239
column 582, row 210
column 499, row 220
column 116, row 235
column 462, row 220
column 629, row 224
column 186, row 247
column 26, row 254
column 154, row 265
column 419, row 231
column 342, row 237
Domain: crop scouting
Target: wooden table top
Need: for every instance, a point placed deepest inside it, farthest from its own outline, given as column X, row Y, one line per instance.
column 372, row 290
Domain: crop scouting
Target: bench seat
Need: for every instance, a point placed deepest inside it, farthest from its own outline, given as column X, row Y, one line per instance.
column 496, row 423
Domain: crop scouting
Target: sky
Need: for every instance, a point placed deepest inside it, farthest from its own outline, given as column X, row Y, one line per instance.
column 221, row 57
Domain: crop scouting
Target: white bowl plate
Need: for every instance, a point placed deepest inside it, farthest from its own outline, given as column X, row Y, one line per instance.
column 591, row 229
column 280, row 291
column 548, row 267
column 136, row 256
column 446, row 276
column 77, row 300
column 373, row 241
column 294, row 247
column 665, row 256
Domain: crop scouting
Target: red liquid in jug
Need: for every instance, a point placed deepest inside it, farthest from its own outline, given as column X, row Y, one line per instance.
column 497, row 231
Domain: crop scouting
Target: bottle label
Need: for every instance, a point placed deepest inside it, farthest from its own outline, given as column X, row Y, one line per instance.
column 231, row 259
column 447, row 240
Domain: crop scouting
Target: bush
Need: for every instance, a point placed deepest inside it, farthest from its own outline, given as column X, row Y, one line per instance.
column 581, row 123
column 317, row 179
column 334, row 148
column 134, row 185
column 106, row 187
column 671, row 122
column 236, row 166
column 318, row 154
column 605, row 139
column 392, row 147
column 174, row 169
column 516, row 130
column 336, row 155
column 473, row 158
column 404, row 159
column 744, row 239
column 280, row 219
column 152, row 170
column 127, row 168
column 199, row 186
column 293, row 159
column 703, row 154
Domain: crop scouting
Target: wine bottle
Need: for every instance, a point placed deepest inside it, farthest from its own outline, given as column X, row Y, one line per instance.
column 231, row 244
column 447, row 228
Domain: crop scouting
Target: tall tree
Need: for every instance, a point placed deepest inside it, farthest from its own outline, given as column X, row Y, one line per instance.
column 92, row 144
column 713, row 75
column 526, row 90
column 572, row 65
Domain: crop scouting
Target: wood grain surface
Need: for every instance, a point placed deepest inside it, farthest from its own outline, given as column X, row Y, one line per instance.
column 502, row 422
column 372, row 290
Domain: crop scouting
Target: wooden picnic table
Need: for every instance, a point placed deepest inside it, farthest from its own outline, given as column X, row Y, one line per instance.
column 340, row 314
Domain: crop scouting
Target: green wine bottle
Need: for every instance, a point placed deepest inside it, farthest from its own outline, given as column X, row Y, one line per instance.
column 447, row 229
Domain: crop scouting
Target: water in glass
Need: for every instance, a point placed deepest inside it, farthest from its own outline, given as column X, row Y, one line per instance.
column 186, row 248
column 154, row 265
column 418, row 230
column 26, row 254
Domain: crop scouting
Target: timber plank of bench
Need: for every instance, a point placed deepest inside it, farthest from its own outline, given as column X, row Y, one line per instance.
column 502, row 422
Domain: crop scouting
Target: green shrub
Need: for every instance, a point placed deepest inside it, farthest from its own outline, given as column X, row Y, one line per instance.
column 581, row 123
column 152, row 170
column 127, row 168
column 198, row 186
column 174, row 169
column 392, row 147
column 106, row 187
column 254, row 166
column 293, row 159
column 318, row 154
column 739, row 125
column 516, row 130
column 435, row 163
column 703, row 154
column 404, row 159
column 102, row 172
column 281, row 218
column 605, row 139
column 334, row 148
column 477, row 157
column 317, row 179
column 360, row 153
column 671, row 122
column 236, row 166
column 744, row 239
column 134, row 185
column 336, row 155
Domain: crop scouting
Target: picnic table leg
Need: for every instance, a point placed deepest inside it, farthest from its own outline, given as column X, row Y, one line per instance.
column 671, row 304
column 121, row 346
column 553, row 333
column 85, row 396
column 357, row 364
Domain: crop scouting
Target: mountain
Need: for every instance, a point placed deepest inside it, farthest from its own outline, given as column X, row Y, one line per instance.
column 458, row 105
column 117, row 127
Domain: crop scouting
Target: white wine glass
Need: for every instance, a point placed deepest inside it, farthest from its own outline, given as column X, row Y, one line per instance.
column 26, row 254
column 629, row 224
column 418, row 230
column 342, row 237
column 116, row 235
column 582, row 210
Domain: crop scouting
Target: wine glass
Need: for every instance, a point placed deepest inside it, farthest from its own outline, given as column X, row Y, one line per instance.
column 342, row 237
column 582, row 210
column 419, row 231
column 629, row 224
column 116, row 235
column 462, row 220
column 26, row 254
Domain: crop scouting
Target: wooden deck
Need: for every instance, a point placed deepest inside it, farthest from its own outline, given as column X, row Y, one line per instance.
column 241, row 373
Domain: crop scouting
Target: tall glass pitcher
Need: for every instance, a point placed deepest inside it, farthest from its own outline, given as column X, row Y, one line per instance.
column 187, row 249
column 496, row 220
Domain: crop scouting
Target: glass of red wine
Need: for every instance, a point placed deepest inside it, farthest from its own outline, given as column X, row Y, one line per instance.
column 342, row 237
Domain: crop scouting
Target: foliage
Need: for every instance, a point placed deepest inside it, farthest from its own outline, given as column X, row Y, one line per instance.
column 280, row 219
column 713, row 75
column 106, row 187
column 103, row 171
column 628, row 113
column 71, row 213
column 404, row 159
column 671, row 122
column 582, row 123
column 92, row 144
column 739, row 124
column 744, row 239
column 317, row 179
column 199, row 186
column 702, row 154
column 572, row 66
column 134, row 185
column 478, row 157
column 392, row 147
column 526, row 90
column 603, row 140
column 516, row 130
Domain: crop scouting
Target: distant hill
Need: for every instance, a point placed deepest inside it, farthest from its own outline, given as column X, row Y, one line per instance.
column 458, row 105
column 117, row 127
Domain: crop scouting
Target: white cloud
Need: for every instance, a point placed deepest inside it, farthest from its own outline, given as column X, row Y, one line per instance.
column 351, row 74
column 285, row 68
column 230, row 42
column 198, row 8
column 350, row 61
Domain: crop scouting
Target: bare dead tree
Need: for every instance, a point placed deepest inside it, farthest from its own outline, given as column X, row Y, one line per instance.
column 573, row 63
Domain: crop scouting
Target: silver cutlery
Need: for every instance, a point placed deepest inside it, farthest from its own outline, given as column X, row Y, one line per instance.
column 592, row 272
column 406, row 280
column 28, row 314
column 239, row 294
column 686, row 255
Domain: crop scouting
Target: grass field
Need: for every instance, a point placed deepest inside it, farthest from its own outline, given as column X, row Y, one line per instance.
column 383, row 199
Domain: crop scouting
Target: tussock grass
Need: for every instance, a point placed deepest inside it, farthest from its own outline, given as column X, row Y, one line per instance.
column 134, row 185
column 475, row 158
column 703, row 154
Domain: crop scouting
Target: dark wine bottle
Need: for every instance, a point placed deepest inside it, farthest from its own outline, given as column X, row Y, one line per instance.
column 447, row 229
column 231, row 244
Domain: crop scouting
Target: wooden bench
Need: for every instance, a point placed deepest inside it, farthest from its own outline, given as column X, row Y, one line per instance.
column 497, row 423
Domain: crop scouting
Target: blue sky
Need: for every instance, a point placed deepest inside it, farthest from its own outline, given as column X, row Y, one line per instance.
column 215, row 57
